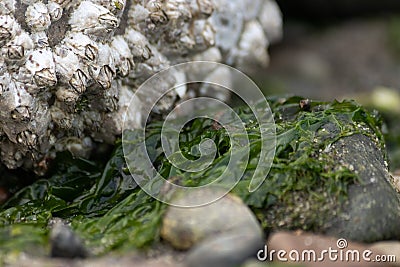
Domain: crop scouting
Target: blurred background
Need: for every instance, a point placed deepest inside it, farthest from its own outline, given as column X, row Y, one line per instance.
column 341, row 49
column 333, row 49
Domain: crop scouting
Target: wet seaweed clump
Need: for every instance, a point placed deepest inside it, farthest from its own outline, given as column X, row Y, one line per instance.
column 306, row 187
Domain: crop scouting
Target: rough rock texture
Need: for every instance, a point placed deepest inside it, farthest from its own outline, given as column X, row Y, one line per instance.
column 222, row 233
column 68, row 68
column 373, row 209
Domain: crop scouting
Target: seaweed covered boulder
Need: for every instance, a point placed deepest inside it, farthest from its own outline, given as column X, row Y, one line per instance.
column 329, row 175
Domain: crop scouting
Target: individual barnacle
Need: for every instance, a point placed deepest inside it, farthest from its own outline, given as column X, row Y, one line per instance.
column 157, row 14
column 98, row 20
column 67, row 63
column 27, row 138
column 62, row 119
column 8, row 28
column 37, row 17
column 115, row 6
column 202, row 8
column 177, row 9
column 41, row 64
column 21, row 114
column 103, row 71
column 67, row 95
column 69, row 68
column 138, row 45
column 7, row 7
column 251, row 46
column 82, row 45
column 16, row 48
column 79, row 82
column 40, row 39
column 205, row 34
column 122, row 56
column 55, row 11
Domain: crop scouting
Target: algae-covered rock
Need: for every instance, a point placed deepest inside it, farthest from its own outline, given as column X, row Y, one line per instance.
column 331, row 172
column 372, row 211
column 328, row 176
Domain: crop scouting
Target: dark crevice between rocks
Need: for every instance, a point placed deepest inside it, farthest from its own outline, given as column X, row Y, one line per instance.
column 20, row 9
column 58, row 29
column 124, row 20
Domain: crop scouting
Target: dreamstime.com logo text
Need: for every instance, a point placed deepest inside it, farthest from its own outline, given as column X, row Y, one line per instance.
column 340, row 253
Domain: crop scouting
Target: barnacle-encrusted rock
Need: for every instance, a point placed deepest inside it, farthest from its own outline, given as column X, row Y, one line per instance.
column 69, row 67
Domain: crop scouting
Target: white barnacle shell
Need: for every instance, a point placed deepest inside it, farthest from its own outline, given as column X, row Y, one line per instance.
column 18, row 47
column 15, row 103
column 49, row 99
column 40, row 39
column 270, row 18
column 41, row 65
column 228, row 23
column 177, row 9
column 79, row 81
column 27, row 138
column 204, row 34
column 157, row 15
column 67, row 63
column 69, row 69
column 62, row 119
column 103, row 71
column 37, row 17
column 55, row 10
column 115, row 6
column 251, row 48
column 8, row 28
column 202, row 8
column 138, row 44
column 82, row 45
column 5, row 80
column 67, row 95
column 122, row 56
column 93, row 19
column 7, row 7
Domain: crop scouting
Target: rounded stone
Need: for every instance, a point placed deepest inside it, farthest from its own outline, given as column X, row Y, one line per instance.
column 185, row 227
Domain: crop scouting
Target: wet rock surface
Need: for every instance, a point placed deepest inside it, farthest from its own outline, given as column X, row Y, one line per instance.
column 373, row 209
column 65, row 243
column 223, row 233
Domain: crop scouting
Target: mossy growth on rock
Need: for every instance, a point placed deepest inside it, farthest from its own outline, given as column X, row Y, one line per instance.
column 307, row 186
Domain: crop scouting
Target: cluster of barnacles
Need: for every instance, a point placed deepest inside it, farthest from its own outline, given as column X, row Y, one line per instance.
column 68, row 68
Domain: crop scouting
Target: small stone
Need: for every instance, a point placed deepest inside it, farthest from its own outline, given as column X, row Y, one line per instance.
column 225, row 250
column 223, row 233
column 65, row 243
column 186, row 227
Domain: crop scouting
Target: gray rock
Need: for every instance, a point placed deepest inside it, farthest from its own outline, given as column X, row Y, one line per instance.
column 225, row 250
column 372, row 212
column 223, row 233
column 65, row 243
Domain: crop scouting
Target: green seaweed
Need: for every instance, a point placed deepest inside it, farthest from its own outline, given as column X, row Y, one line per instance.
column 111, row 213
